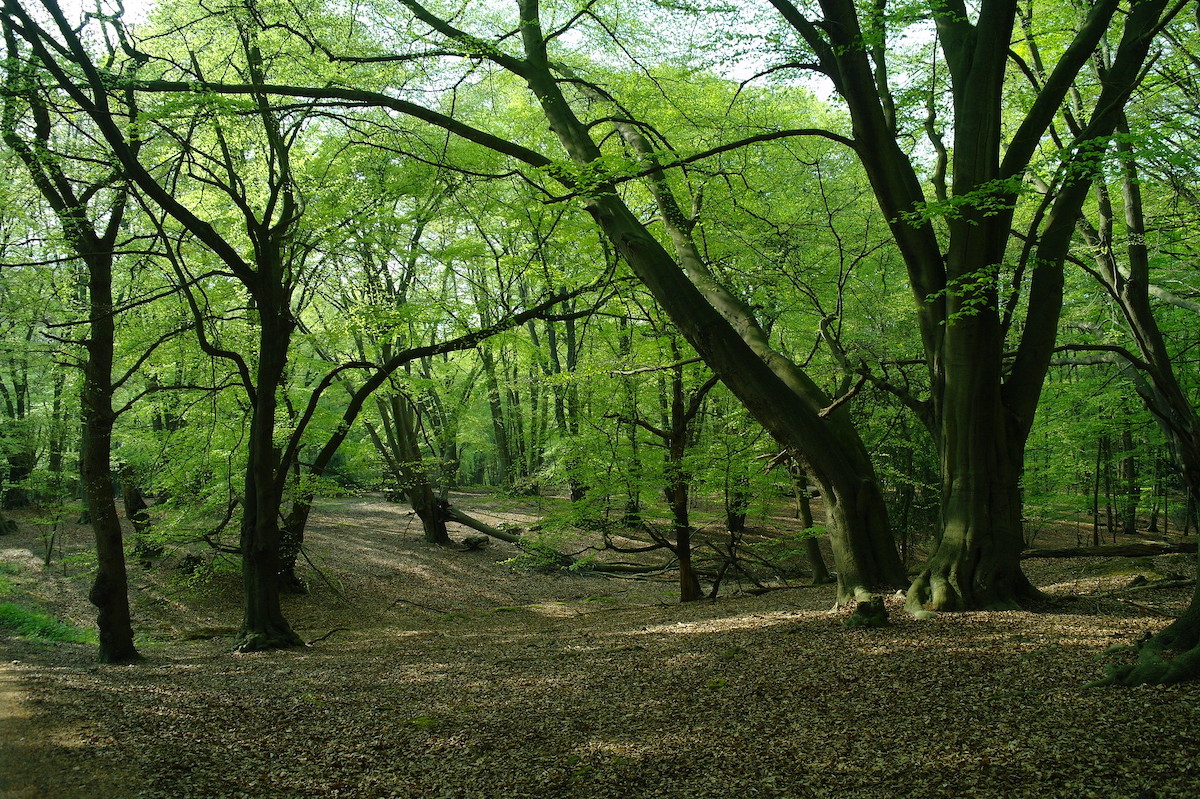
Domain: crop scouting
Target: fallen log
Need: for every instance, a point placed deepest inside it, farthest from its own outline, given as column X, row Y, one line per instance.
column 625, row 568
column 1140, row 583
column 1136, row 550
column 1149, row 609
column 513, row 536
column 453, row 514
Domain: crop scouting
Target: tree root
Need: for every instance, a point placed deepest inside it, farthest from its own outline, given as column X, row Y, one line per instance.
column 1152, row 668
column 932, row 591
column 326, row 635
column 261, row 641
column 872, row 613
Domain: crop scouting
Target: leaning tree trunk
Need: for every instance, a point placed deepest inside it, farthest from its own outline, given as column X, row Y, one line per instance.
column 401, row 452
column 776, row 392
column 430, row 509
column 1173, row 654
column 783, row 402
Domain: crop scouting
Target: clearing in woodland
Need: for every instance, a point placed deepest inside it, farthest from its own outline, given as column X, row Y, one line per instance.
column 441, row 673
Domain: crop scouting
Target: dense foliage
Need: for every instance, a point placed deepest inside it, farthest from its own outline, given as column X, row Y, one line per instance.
column 668, row 262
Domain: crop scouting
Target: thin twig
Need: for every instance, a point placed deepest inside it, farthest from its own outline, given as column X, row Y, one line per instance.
column 326, row 635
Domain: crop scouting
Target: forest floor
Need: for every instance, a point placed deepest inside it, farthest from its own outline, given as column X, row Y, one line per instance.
column 440, row 673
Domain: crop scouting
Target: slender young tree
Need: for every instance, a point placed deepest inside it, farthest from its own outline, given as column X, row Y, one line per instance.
column 675, row 434
column 91, row 212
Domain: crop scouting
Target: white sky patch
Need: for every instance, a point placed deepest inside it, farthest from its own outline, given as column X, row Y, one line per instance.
column 135, row 11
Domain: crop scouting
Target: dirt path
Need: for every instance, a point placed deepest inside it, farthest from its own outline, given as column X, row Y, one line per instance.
column 25, row 753
column 44, row 758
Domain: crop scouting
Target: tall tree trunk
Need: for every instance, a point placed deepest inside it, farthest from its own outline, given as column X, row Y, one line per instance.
column 263, row 623
column 1130, row 488
column 566, row 396
column 1096, row 480
column 976, row 563
column 57, row 445
column 110, row 590
column 504, row 452
column 737, row 502
column 678, row 434
column 980, row 407
column 21, row 464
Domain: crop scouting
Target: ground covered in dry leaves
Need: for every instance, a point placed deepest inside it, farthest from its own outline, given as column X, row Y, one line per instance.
column 448, row 674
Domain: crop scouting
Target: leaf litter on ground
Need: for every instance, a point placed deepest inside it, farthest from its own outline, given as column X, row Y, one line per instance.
column 446, row 674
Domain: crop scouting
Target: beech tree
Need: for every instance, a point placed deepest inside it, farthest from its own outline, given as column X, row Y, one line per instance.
column 1124, row 245
column 91, row 211
column 955, row 248
column 966, row 269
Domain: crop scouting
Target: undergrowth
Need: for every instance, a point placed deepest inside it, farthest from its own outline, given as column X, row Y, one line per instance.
column 40, row 626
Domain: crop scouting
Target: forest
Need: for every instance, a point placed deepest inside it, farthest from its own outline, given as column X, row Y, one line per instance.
column 523, row 318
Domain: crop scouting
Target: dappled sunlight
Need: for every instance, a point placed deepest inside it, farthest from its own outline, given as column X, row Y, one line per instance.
column 739, row 622
column 440, row 668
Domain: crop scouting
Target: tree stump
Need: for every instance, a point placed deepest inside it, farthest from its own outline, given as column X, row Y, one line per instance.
column 872, row 613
